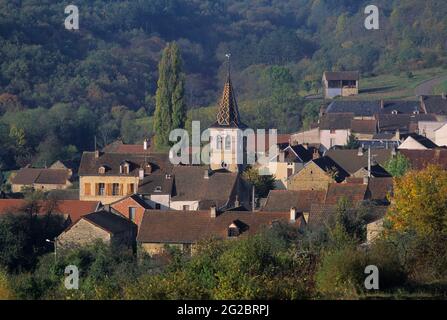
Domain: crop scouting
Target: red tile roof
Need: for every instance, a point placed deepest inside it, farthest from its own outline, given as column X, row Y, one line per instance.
column 193, row 226
column 353, row 191
column 75, row 209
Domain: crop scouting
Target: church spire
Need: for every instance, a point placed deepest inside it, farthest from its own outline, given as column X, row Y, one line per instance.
column 228, row 112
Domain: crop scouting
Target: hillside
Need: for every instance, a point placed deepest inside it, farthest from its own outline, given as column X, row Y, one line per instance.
column 101, row 79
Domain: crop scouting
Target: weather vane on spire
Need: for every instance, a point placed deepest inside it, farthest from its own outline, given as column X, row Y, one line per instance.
column 228, row 55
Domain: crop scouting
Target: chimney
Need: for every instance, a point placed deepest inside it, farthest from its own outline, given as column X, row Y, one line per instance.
column 398, row 135
column 393, row 151
column 213, row 212
column 96, row 154
column 315, row 155
column 365, row 180
column 237, row 202
column 360, row 152
column 145, row 143
column 292, row 214
column 306, row 146
column 141, row 173
column 443, row 95
column 206, row 174
column 382, row 104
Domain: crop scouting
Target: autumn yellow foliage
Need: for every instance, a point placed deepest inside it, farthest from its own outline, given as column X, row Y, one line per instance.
column 419, row 202
column 5, row 292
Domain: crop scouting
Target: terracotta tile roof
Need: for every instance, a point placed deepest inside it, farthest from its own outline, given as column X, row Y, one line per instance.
column 190, row 184
column 342, row 75
column 75, row 209
column 364, row 126
column 156, row 184
column 351, row 161
column 352, row 191
column 336, row 121
column 192, row 226
column 435, row 104
column 119, row 147
column 380, row 188
column 420, row 159
column 29, row 176
column 283, row 200
column 402, row 122
column 321, row 215
column 110, row 222
column 327, row 165
column 134, row 197
column 90, row 164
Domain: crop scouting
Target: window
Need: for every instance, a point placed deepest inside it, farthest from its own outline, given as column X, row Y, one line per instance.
column 132, row 212
column 101, row 188
column 115, row 189
column 87, row 189
column 157, row 189
column 233, row 232
column 219, row 143
column 102, row 170
column 332, row 131
column 130, row 188
column 289, row 172
column 228, row 143
column 157, row 206
column 186, row 207
column 124, row 168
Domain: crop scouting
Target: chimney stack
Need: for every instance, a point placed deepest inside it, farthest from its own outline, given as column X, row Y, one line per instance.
column 213, row 212
column 96, row 154
column 315, row 155
column 141, row 173
column 398, row 135
column 145, row 144
column 365, row 180
column 382, row 104
column 292, row 214
column 444, row 97
column 206, row 174
column 360, row 152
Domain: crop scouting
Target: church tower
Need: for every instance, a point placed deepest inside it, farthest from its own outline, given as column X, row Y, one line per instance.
column 226, row 143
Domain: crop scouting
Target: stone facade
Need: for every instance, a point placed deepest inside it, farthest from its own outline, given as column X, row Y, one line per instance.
column 90, row 188
column 82, row 233
column 311, row 177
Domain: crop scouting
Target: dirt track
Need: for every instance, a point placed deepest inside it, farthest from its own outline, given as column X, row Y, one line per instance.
column 426, row 87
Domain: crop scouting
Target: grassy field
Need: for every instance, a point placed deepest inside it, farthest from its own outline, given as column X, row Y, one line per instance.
column 396, row 86
column 442, row 88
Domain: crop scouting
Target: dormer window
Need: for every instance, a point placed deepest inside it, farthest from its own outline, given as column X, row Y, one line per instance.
column 233, row 231
column 157, row 189
column 102, row 170
column 394, row 112
column 124, row 167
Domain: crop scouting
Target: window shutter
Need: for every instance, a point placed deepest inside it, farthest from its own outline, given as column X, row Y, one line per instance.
column 87, row 190
column 97, row 189
column 121, row 189
column 109, row 189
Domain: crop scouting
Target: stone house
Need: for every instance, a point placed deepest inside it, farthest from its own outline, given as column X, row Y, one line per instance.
column 108, row 177
column 45, row 179
column 317, row 175
column 104, row 226
column 342, row 83
column 184, row 229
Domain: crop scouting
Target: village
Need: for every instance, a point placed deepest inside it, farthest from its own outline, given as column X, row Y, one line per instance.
column 130, row 195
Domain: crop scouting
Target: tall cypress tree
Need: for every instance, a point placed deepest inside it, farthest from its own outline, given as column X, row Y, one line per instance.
column 170, row 110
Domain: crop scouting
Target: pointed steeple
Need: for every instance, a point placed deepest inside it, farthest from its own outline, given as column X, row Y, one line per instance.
column 228, row 112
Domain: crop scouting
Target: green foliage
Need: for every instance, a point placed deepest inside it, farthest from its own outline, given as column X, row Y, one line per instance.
column 398, row 165
column 262, row 183
column 170, row 112
column 22, row 237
